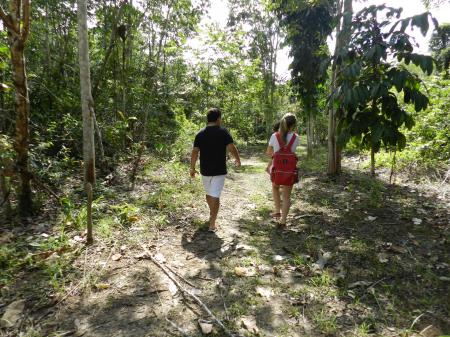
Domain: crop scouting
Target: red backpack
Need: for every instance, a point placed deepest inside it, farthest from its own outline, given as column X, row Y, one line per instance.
column 284, row 167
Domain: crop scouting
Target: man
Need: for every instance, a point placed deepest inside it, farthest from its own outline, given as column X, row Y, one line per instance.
column 212, row 142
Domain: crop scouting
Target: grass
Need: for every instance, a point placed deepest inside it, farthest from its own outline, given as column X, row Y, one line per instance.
column 408, row 284
column 325, row 321
column 324, row 280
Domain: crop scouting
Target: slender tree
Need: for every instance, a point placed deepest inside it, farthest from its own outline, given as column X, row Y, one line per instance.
column 87, row 106
column 343, row 33
column 17, row 22
column 307, row 26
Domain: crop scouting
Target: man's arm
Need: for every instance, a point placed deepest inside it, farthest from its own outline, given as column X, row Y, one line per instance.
column 234, row 152
column 194, row 157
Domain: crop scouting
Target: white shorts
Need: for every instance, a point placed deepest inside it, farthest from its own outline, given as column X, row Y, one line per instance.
column 213, row 185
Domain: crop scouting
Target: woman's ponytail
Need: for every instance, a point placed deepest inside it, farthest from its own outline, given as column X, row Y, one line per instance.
column 286, row 124
column 283, row 129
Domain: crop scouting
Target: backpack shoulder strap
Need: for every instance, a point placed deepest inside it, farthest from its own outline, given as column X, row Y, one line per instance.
column 294, row 136
column 280, row 141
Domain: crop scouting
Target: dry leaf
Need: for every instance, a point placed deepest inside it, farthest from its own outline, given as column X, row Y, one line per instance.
column 140, row 255
column 264, row 270
column 264, row 292
column 12, row 314
column 431, row 331
column 359, row 284
column 371, row 218
column 323, row 260
column 6, row 237
column 78, row 238
column 240, row 271
column 102, row 286
column 53, row 257
column 416, row 221
column 116, row 257
column 383, row 258
column 278, row 258
column 205, row 326
column 160, row 258
column 249, row 322
column 81, row 325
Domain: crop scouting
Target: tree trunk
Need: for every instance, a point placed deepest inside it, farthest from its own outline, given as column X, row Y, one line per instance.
column 309, row 134
column 18, row 25
column 372, row 162
column 343, row 34
column 22, row 130
column 87, row 106
column 332, row 167
column 5, row 192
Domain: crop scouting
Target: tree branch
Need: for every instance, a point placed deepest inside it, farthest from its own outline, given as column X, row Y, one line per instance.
column 6, row 18
column 26, row 20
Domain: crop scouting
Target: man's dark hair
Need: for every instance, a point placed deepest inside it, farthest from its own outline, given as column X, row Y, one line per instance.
column 213, row 115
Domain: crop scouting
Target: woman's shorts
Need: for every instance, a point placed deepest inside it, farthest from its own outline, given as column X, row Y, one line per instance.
column 213, row 185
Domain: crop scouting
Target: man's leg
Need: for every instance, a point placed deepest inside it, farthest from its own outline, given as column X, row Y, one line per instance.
column 208, row 201
column 286, row 192
column 214, row 204
column 276, row 198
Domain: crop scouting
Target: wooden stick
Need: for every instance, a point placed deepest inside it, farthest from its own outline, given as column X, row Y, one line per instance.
column 185, row 291
column 41, row 184
column 223, row 300
column 181, row 277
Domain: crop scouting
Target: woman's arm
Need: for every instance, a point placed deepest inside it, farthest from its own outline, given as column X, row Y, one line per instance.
column 269, row 152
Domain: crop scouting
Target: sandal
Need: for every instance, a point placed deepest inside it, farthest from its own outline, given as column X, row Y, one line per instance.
column 275, row 215
column 281, row 226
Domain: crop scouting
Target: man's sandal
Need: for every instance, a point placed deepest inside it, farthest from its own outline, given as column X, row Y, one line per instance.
column 275, row 215
column 281, row 226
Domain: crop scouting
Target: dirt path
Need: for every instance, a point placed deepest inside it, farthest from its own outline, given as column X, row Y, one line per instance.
column 353, row 262
column 139, row 296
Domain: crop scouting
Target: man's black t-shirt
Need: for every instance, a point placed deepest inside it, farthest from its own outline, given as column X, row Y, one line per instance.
column 212, row 142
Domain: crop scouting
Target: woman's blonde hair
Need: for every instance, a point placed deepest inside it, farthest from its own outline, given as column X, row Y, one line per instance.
column 287, row 122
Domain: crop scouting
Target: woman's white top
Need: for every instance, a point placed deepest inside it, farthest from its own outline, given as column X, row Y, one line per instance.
column 276, row 147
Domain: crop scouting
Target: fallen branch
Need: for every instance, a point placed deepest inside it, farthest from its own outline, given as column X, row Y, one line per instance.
column 223, row 300
column 42, row 185
column 181, row 277
column 187, row 292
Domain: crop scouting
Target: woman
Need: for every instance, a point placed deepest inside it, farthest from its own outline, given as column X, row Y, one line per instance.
column 285, row 135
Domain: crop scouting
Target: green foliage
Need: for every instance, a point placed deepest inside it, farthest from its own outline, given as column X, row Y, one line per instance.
column 428, row 141
column 370, row 81
column 439, row 45
column 9, row 262
column 307, row 26
column 6, row 150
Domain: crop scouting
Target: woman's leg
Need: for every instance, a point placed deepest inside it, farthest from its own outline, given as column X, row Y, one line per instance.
column 286, row 193
column 276, row 198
